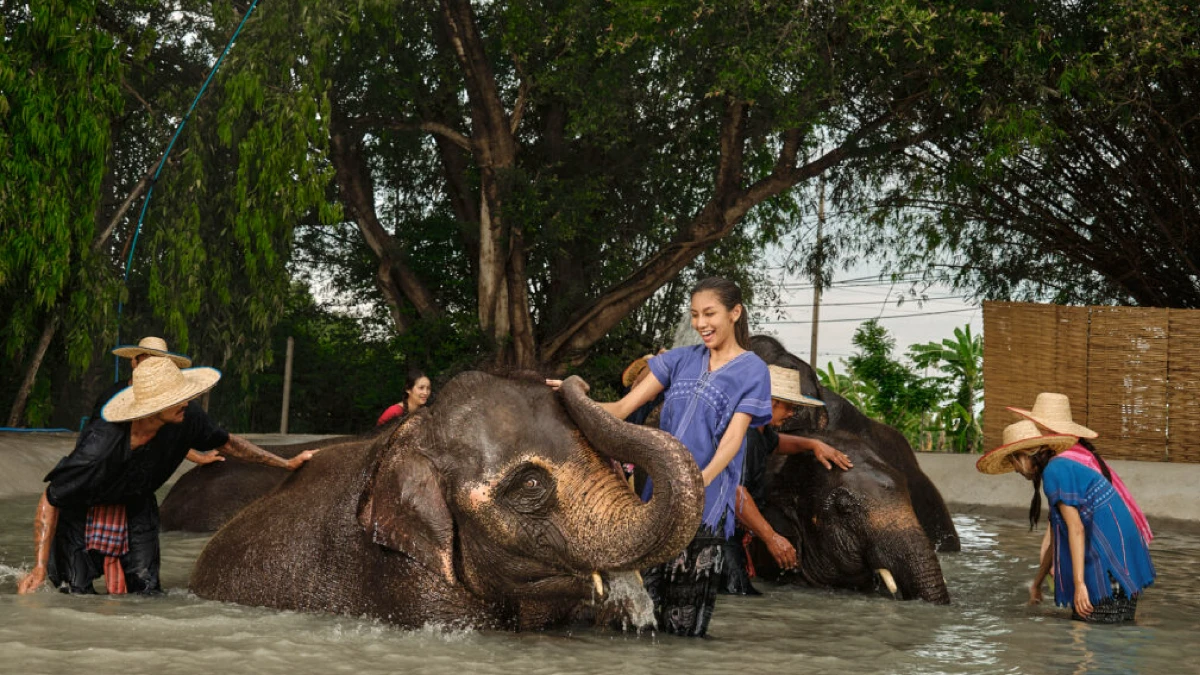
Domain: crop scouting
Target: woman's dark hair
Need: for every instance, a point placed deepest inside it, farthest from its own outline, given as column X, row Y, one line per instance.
column 730, row 296
column 410, row 380
column 1040, row 459
column 1099, row 460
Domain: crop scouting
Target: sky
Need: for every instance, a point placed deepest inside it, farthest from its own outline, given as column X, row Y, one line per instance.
column 858, row 294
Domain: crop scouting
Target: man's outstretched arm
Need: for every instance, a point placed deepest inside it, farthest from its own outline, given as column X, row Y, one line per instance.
column 45, row 522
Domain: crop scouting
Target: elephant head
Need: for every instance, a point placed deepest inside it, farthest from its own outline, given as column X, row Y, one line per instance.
column 857, row 526
column 504, row 486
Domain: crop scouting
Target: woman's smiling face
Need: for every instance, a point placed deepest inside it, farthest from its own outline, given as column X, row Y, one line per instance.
column 712, row 320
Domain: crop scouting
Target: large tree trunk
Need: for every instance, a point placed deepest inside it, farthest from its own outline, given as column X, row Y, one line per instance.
column 398, row 283
column 502, row 284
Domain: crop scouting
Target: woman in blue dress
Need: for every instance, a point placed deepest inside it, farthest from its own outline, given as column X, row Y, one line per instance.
column 713, row 393
column 1098, row 557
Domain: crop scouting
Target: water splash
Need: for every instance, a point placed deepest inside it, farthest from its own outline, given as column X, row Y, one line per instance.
column 626, row 600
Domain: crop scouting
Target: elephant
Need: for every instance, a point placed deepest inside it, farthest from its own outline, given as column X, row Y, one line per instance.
column 494, row 507
column 206, row 497
column 883, row 517
column 889, row 445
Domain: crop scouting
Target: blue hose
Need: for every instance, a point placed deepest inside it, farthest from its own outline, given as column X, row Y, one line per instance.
column 161, row 163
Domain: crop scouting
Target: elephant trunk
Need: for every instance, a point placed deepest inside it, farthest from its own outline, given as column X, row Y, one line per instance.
column 658, row 530
column 914, row 566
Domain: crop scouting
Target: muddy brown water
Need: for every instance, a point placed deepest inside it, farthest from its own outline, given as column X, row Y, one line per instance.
column 987, row 629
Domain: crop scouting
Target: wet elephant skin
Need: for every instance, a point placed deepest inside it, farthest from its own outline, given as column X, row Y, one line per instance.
column 492, row 507
column 206, row 497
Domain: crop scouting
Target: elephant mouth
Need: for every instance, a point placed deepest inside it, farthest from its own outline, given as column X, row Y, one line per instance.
column 598, row 585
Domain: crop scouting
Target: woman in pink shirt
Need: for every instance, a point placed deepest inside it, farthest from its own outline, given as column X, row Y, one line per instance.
column 416, row 394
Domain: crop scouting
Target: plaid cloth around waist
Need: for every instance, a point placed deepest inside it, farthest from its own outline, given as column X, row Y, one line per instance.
column 107, row 530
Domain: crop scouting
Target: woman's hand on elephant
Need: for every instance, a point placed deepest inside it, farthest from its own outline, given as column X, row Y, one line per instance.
column 782, row 551
column 32, row 581
column 826, row 454
column 1083, row 604
column 299, row 460
column 554, row 384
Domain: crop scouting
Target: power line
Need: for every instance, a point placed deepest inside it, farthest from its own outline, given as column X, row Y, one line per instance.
column 871, row 302
column 881, row 318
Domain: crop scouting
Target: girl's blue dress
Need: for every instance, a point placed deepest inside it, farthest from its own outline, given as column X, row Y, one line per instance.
column 698, row 407
column 1114, row 546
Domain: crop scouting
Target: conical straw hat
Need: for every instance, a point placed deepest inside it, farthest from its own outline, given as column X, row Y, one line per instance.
column 1053, row 412
column 785, row 386
column 634, row 371
column 152, row 346
column 1018, row 436
column 158, row 384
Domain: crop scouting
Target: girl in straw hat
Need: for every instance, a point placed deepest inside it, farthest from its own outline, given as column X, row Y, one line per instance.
column 1099, row 561
column 99, row 515
column 1053, row 412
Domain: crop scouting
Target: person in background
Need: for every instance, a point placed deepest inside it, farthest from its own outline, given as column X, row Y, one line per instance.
column 713, row 393
column 761, row 443
column 99, row 515
column 144, row 349
column 416, row 393
column 1100, row 561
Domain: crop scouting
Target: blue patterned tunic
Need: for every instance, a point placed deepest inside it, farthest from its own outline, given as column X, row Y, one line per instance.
column 1113, row 544
column 697, row 408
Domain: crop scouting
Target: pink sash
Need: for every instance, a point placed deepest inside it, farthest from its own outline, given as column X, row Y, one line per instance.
column 1080, row 454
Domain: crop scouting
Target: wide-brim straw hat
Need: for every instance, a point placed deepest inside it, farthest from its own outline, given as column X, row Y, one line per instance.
column 1053, row 412
column 151, row 346
column 785, row 386
column 1019, row 436
column 158, row 384
column 635, row 371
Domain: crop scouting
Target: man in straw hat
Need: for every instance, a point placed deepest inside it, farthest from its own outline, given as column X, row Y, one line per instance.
column 762, row 442
column 144, row 349
column 99, row 514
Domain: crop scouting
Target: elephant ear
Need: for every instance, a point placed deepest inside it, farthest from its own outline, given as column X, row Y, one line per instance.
column 403, row 507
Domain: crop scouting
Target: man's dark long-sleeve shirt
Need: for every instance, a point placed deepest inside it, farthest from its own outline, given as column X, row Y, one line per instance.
column 103, row 469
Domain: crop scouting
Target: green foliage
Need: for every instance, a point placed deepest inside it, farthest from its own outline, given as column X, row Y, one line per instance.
column 960, row 361
column 893, row 392
column 1078, row 185
column 59, row 79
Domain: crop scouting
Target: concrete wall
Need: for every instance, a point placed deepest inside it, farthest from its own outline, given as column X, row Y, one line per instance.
column 1167, row 492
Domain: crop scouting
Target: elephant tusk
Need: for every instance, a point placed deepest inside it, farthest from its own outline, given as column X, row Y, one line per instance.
column 638, row 575
column 888, row 580
column 598, row 583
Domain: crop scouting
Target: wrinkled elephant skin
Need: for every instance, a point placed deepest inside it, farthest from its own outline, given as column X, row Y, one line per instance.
column 493, row 507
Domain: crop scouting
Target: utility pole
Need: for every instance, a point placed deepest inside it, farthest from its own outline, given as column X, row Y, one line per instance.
column 816, row 310
column 287, row 385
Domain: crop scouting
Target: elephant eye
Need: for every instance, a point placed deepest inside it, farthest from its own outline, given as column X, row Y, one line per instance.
column 530, row 489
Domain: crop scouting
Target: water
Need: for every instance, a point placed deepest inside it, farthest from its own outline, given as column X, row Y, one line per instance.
column 987, row 629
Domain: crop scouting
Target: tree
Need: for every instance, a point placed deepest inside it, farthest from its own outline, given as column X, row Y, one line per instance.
column 59, row 79
column 590, row 152
column 1084, row 188
column 902, row 398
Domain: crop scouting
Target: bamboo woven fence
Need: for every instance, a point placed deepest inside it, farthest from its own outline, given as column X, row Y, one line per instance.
column 1132, row 373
